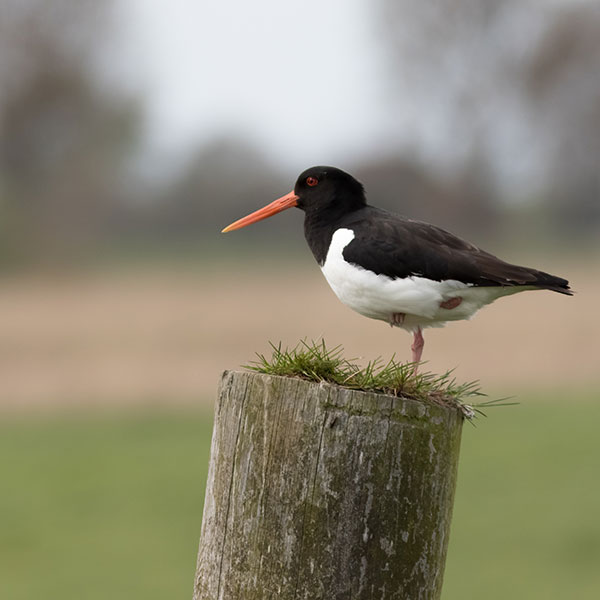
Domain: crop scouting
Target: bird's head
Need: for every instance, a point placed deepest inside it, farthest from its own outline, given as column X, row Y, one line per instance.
column 318, row 189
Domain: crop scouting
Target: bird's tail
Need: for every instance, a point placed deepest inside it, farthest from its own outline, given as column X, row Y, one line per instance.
column 545, row 281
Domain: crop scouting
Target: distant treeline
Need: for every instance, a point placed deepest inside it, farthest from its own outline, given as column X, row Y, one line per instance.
column 70, row 145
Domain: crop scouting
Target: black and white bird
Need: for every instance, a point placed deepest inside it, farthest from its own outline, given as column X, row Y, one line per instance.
column 384, row 266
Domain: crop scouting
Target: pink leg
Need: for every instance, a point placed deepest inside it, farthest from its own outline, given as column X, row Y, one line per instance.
column 417, row 347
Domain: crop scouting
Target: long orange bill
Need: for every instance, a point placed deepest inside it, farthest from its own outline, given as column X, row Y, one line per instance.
column 276, row 206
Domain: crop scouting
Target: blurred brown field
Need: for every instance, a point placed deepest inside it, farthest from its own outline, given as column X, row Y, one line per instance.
column 161, row 336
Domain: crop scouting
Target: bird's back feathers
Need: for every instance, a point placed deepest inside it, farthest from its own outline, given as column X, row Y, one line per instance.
column 399, row 248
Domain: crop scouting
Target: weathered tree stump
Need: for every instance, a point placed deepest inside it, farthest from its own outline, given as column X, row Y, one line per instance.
column 319, row 492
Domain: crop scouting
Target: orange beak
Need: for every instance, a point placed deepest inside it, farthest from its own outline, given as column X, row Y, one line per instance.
column 276, row 206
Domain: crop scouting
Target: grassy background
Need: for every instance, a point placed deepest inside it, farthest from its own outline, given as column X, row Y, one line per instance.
column 97, row 506
column 100, row 507
column 526, row 514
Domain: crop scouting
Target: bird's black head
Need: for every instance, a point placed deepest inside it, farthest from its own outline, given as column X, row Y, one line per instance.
column 328, row 189
column 323, row 193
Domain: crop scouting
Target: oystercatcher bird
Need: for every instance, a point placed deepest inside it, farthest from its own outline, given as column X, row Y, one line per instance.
column 384, row 266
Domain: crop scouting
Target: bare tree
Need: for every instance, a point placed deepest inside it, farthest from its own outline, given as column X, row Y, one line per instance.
column 62, row 136
column 509, row 84
column 223, row 179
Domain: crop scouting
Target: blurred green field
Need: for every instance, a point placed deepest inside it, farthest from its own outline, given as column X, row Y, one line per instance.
column 526, row 519
column 109, row 506
column 100, row 507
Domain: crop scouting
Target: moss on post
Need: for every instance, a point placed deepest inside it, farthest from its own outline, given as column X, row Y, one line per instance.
column 316, row 491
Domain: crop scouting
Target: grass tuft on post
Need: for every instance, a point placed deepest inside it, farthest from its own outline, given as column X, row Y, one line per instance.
column 315, row 362
column 328, row 480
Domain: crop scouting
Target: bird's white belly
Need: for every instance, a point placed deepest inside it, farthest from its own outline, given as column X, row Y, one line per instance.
column 418, row 298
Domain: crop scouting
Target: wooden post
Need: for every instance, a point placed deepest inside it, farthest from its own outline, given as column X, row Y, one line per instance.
column 319, row 492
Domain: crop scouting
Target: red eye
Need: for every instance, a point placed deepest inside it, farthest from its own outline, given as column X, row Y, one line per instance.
column 312, row 181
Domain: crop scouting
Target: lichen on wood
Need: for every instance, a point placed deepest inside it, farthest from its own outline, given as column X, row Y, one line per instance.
column 316, row 491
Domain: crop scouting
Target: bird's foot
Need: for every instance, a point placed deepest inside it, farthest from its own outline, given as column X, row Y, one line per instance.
column 451, row 303
column 397, row 319
column 417, row 347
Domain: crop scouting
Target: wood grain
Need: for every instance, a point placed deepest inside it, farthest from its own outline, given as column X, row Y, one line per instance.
column 316, row 491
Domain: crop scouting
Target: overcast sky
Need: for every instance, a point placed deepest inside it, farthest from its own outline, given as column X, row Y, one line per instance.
column 300, row 77
column 309, row 83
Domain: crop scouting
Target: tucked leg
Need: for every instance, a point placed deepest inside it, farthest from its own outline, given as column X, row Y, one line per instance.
column 451, row 303
column 397, row 319
column 417, row 346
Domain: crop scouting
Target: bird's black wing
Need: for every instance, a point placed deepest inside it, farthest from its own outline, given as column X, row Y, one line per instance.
column 391, row 245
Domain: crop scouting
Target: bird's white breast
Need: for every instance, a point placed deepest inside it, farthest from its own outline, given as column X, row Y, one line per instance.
column 419, row 298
